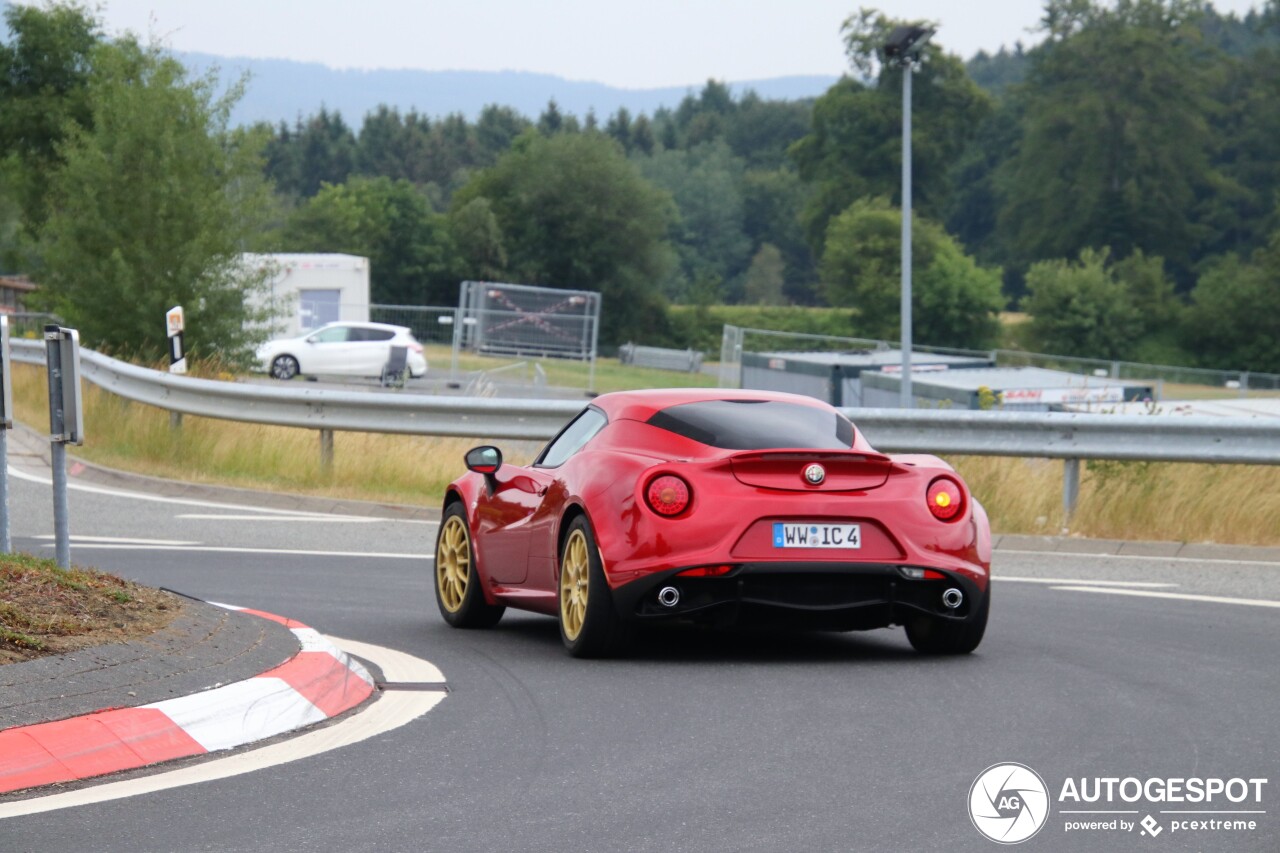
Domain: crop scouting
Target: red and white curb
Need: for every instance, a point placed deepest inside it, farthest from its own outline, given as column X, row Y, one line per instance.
column 319, row 682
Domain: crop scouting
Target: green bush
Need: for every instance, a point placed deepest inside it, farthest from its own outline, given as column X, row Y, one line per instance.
column 701, row 327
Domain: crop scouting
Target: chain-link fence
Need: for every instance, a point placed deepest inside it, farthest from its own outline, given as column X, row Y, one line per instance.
column 517, row 319
column 737, row 340
column 29, row 324
column 430, row 324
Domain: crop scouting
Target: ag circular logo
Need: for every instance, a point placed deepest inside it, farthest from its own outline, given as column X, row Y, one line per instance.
column 1008, row 803
column 815, row 473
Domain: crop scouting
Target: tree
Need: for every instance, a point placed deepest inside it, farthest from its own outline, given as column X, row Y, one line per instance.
column 327, row 152
column 411, row 256
column 394, row 146
column 1081, row 308
column 772, row 201
column 1116, row 139
column 954, row 302
column 478, row 238
column 854, row 149
column 151, row 208
column 619, row 127
column 552, row 120
column 763, row 283
column 706, row 185
column 575, row 214
column 1242, row 211
column 496, row 129
column 761, row 132
column 44, row 76
column 1234, row 318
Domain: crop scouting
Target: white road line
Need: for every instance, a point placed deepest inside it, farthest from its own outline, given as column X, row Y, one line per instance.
column 293, row 519
column 1177, row 596
column 140, row 496
column 214, row 549
column 1077, row 556
column 1081, row 581
column 392, row 710
column 123, row 540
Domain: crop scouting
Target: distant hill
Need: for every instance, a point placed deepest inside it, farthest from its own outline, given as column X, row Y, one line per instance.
column 283, row 90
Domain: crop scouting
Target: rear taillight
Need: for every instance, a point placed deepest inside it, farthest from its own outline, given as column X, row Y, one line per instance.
column 915, row 574
column 705, row 572
column 416, row 347
column 945, row 499
column 668, row 495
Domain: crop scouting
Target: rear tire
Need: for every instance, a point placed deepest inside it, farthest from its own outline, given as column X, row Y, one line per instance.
column 284, row 367
column 931, row 635
column 458, row 593
column 589, row 623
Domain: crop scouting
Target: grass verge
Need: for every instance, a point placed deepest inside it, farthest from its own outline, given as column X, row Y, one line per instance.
column 46, row 610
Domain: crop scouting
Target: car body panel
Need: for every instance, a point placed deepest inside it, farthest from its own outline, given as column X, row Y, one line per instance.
column 518, row 517
column 345, row 349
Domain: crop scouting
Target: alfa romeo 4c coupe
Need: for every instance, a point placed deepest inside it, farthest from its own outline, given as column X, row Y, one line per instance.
column 722, row 507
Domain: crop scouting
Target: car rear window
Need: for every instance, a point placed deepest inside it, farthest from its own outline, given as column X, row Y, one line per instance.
column 359, row 333
column 757, row 425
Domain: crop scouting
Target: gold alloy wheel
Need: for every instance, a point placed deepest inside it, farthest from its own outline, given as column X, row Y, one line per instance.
column 453, row 563
column 574, row 573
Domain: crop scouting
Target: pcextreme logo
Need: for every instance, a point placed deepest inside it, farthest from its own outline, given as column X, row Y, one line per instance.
column 1008, row 803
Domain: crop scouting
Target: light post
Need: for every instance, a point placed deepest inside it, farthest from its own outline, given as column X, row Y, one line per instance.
column 903, row 48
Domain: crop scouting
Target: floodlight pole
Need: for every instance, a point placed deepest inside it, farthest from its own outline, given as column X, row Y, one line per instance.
column 906, row 400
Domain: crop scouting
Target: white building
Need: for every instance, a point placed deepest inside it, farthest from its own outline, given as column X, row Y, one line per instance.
column 311, row 290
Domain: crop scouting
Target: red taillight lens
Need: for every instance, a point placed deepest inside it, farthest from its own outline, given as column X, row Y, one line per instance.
column 668, row 495
column 705, row 572
column 944, row 498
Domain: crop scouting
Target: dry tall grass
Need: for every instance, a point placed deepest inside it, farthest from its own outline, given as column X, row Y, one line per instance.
column 1239, row 504
column 1134, row 500
column 366, row 466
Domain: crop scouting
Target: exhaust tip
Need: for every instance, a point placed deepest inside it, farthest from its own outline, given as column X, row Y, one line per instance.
column 669, row 596
column 952, row 598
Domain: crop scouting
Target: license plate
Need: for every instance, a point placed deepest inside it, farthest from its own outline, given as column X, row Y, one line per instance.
column 815, row 535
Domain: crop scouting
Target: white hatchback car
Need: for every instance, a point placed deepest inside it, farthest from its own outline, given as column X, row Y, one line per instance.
column 342, row 349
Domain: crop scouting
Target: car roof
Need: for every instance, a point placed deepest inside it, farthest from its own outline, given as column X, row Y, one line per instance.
column 361, row 325
column 642, row 405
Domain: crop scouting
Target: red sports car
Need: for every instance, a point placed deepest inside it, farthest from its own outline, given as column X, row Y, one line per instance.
column 719, row 506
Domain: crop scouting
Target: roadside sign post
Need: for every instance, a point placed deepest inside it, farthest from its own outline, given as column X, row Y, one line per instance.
column 177, row 355
column 6, row 424
column 175, row 322
column 66, row 423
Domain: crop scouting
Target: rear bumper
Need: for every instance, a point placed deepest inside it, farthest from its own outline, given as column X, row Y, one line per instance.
column 822, row 596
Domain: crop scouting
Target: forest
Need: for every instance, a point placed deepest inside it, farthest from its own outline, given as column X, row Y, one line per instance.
column 1117, row 184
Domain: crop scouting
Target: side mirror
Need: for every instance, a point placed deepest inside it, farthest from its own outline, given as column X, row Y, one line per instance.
column 484, row 460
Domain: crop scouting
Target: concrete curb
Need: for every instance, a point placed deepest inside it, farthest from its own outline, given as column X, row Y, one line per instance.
column 319, row 682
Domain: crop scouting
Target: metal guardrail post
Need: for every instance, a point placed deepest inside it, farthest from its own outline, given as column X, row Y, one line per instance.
column 326, row 452
column 1070, row 487
column 6, row 422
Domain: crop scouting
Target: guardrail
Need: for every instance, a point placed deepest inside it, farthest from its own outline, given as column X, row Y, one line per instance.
column 313, row 408
column 1070, row 437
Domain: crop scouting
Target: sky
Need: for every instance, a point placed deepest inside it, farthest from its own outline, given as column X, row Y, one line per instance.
column 634, row 45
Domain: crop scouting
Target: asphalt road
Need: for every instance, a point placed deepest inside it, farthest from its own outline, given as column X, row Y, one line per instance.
column 701, row 741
